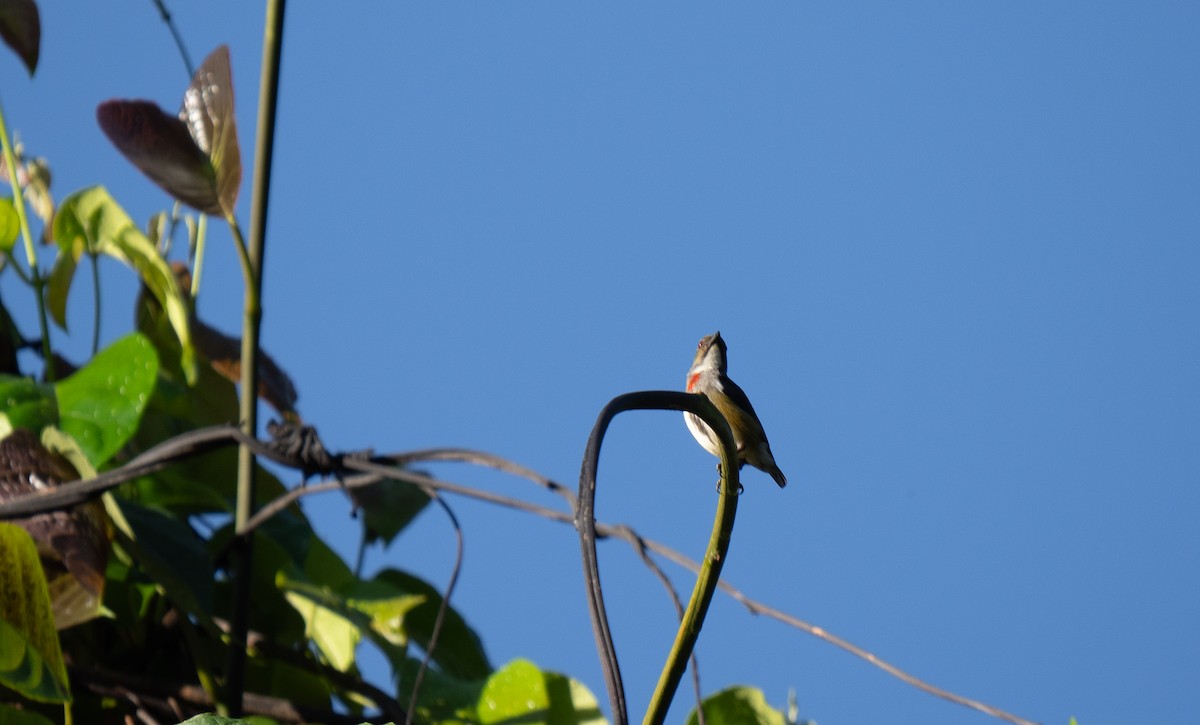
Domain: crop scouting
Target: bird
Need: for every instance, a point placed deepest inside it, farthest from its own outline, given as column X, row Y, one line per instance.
column 708, row 376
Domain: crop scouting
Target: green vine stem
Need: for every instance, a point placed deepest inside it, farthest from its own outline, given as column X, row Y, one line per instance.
column 95, row 265
column 252, row 263
column 35, row 276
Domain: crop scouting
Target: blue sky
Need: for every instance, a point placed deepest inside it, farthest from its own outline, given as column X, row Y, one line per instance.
column 953, row 248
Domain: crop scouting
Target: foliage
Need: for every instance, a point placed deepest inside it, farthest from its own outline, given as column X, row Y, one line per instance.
column 30, row 659
column 739, row 706
column 162, row 629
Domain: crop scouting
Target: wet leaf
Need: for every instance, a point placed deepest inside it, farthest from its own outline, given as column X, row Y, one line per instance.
column 101, row 404
column 518, row 692
column 26, row 403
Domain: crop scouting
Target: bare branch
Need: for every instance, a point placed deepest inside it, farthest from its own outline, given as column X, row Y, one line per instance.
column 200, row 441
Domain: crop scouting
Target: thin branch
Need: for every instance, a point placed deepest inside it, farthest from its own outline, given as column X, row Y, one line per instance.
column 164, row 454
column 489, row 460
column 166, row 18
column 630, row 536
column 200, row 441
column 440, row 619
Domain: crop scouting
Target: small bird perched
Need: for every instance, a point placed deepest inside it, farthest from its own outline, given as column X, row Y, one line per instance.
column 708, row 376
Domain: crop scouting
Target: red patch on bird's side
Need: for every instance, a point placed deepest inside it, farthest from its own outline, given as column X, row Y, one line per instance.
column 692, row 380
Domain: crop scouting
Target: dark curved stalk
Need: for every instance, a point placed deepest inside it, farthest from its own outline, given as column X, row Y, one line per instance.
column 585, row 523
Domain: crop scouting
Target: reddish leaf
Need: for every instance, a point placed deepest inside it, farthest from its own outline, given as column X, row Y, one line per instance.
column 160, row 145
column 208, row 112
column 21, row 29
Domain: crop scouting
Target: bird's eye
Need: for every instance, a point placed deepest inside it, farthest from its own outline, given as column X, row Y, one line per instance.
column 700, row 344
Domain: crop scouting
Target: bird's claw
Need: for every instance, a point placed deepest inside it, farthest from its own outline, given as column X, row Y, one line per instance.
column 740, row 488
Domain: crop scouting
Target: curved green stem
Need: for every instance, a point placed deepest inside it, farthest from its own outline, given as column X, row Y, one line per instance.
column 702, row 594
column 35, row 277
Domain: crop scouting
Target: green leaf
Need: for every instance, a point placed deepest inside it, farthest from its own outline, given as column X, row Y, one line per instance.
column 25, row 403
column 210, row 719
column 295, row 684
column 21, row 30
column 518, row 692
column 90, row 220
column 738, row 706
column 521, row 691
column 388, row 507
column 271, row 614
column 385, row 606
column 101, row 404
column 168, row 551
column 10, row 224
column 386, row 609
column 340, row 610
column 459, row 652
column 323, row 566
column 329, row 623
column 58, row 285
column 31, row 661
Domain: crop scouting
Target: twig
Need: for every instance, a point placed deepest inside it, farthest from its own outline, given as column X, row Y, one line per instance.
column 166, row 18
column 489, row 460
column 443, row 607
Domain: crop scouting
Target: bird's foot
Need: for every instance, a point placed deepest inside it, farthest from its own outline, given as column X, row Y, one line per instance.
column 739, row 489
column 721, row 473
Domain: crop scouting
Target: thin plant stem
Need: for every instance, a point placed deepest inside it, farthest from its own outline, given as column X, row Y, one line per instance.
column 95, row 263
column 706, row 582
column 252, row 264
column 35, row 276
column 198, row 262
column 166, row 17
